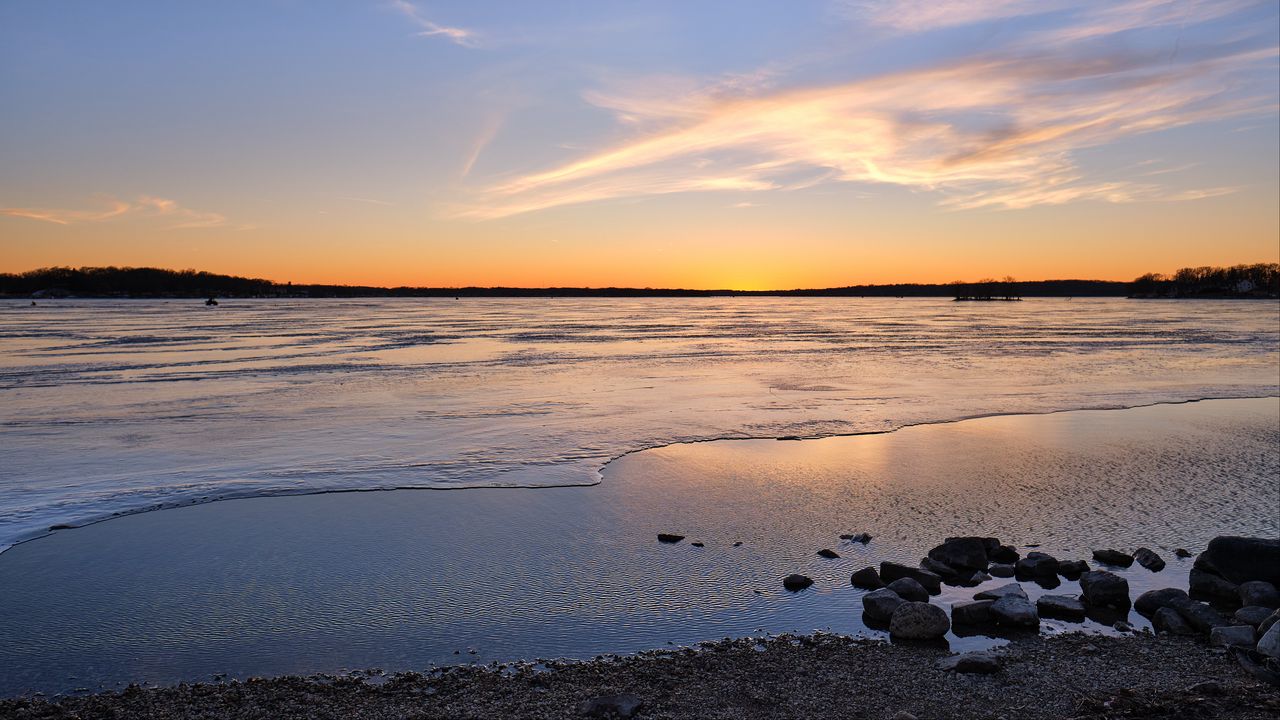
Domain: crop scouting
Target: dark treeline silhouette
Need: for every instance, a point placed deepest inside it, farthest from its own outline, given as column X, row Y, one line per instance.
column 1260, row 280
column 155, row 282
column 990, row 289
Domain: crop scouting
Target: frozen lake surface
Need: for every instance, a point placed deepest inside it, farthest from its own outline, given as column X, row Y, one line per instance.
column 116, row 406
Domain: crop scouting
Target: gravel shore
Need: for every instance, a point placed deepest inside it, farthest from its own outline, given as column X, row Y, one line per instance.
column 1068, row 676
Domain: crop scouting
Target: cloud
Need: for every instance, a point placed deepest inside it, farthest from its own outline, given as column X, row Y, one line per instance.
column 456, row 35
column 1001, row 129
column 924, row 15
column 145, row 206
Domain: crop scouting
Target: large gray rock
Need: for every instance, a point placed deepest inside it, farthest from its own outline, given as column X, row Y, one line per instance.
column 1148, row 559
column 1269, row 644
column 1038, row 564
column 890, row 571
column 1168, row 620
column 867, row 578
column 1253, row 615
column 1266, row 624
column 1113, row 557
column 1241, row 559
column 1103, row 589
column 909, row 589
column 1260, row 593
column 962, row 553
column 1232, row 635
column 982, row 662
column 1012, row 589
column 1210, row 586
column 880, row 604
column 919, row 621
column 1011, row 611
column 1152, row 600
column 1200, row 616
column 976, row 612
column 1060, row 607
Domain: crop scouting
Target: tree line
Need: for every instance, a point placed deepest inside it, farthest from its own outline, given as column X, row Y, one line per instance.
column 1257, row 280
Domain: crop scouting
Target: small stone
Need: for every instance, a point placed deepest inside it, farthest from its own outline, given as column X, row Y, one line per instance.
column 1061, row 607
column 976, row 612
column 1122, row 626
column 880, row 604
column 1149, row 559
column 858, row 538
column 697, row 544
column 919, row 621
column 796, row 583
column 909, row 589
column 1152, row 600
column 867, row 578
column 980, row 662
column 890, row 571
column 1012, row 589
column 1182, row 553
column 1253, row 615
column 828, row 554
column 1232, row 635
column 668, row 538
column 1038, row 564
column 1001, row 570
column 1259, row 592
column 622, row 705
column 1167, row 620
column 1015, row 612
column 903, row 715
column 1103, row 589
column 1113, row 557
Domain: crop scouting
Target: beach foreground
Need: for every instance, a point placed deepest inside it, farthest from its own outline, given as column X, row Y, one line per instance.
column 827, row 676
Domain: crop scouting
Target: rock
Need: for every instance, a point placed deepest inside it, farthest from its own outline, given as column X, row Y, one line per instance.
column 1200, row 616
column 890, row 571
column 858, row 538
column 796, row 583
column 1182, row 553
column 1002, row 570
column 1231, row 635
column 1038, row 564
column 962, row 553
column 1072, row 569
column 1205, row 584
column 1113, row 557
column 1010, row 590
column 666, row 538
column 977, row 578
column 1060, row 607
column 939, row 568
column 1103, row 589
column 697, row 544
column 1122, row 626
column 1152, row 600
column 1208, row 687
column 903, row 715
column 1241, row 559
column 1167, row 620
column 1270, row 643
column 867, row 578
column 1006, row 554
column 918, row 621
column 975, row 612
column 1012, row 611
column 828, row 554
column 1253, row 615
column 981, row 662
column 909, row 589
column 880, row 604
column 622, row 705
column 1266, row 624
column 1148, row 559
column 1259, row 592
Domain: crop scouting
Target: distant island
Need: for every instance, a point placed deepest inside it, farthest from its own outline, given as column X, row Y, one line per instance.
column 1260, row 280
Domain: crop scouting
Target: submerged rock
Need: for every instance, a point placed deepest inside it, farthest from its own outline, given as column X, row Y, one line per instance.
column 828, row 554
column 1113, row 557
column 622, row 705
column 1148, row 559
column 1104, row 589
column 1241, row 559
column 981, row 662
column 1168, row 620
column 919, row 621
column 975, row 612
column 795, row 583
column 1010, row 590
column 1260, row 593
column 909, row 589
column 1012, row 611
column 890, row 571
column 962, row 553
column 867, row 578
column 1182, row 553
column 880, row 604
column 1232, row 635
column 668, row 538
column 1061, row 607
column 1152, row 600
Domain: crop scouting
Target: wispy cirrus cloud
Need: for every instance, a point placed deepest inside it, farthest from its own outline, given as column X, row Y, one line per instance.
column 111, row 209
column 456, row 35
column 1002, row 129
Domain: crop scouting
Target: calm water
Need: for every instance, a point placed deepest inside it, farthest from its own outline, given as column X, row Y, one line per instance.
column 399, row 580
column 119, row 406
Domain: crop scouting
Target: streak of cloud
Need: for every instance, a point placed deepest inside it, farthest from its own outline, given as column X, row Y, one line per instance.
column 456, row 35
column 145, row 206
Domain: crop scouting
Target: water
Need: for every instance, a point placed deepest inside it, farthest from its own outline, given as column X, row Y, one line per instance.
column 400, row 580
column 113, row 407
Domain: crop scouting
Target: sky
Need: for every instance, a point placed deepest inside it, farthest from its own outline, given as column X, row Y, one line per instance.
column 666, row 143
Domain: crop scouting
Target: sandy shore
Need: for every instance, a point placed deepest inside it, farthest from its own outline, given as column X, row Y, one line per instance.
column 1068, row 676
